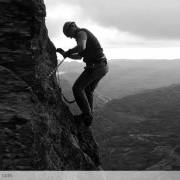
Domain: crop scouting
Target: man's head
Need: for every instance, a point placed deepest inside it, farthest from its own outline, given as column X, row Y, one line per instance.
column 69, row 29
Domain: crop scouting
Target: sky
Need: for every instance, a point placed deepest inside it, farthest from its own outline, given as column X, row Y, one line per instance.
column 126, row 29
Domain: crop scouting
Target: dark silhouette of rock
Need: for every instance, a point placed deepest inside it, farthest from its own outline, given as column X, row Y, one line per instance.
column 37, row 131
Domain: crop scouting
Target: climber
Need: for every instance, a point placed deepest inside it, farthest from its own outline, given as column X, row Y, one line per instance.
column 88, row 48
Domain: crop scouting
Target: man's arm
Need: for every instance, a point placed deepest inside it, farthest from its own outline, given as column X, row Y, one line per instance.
column 64, row 54
column 81, row 46
column 81, row 41
column 75, row 56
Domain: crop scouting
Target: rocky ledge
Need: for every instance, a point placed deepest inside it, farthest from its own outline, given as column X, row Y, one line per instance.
column 37, row 131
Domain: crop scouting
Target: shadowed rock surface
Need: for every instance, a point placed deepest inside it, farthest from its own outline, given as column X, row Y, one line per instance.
column 37, row 131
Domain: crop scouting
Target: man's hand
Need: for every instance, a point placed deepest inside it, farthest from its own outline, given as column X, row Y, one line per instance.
column 61, row 51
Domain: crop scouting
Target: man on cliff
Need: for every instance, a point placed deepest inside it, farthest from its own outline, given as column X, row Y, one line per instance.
column 88, row 48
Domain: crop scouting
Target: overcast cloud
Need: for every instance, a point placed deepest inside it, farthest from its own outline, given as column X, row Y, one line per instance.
column 119, row 23
column 148, row 18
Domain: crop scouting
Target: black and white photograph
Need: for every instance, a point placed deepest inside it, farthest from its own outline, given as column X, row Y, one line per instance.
column 89, row 89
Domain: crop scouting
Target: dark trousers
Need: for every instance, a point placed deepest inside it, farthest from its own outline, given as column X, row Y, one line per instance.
column 85, row 85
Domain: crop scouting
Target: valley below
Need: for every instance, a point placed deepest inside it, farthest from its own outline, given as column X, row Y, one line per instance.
column 141, row 132
column 137, row 114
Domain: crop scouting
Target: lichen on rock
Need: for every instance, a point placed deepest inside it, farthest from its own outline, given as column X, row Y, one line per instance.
column 37, row 131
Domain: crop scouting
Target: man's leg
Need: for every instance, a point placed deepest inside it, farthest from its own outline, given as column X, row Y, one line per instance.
column 79, row 92
column 89, row 92
column 84, row 80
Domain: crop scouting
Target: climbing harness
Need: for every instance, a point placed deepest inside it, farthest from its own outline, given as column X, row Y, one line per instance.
column 54, row 71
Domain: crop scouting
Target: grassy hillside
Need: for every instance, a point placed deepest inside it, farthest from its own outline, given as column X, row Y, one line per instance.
column 149, row 104
column 141, row 131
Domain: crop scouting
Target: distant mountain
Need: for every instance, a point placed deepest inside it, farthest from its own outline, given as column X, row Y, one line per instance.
column 148, row 104
column 127, row 77
column 141, row 131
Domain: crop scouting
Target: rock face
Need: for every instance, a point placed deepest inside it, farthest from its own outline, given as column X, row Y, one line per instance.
column 37, row 131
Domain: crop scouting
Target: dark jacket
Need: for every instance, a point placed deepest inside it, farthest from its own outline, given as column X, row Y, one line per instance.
column 93, row 52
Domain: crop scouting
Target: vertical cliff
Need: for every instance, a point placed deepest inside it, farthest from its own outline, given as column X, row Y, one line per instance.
column 37, row 131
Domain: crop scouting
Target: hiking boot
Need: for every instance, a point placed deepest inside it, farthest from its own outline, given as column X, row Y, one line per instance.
column 87, row 118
